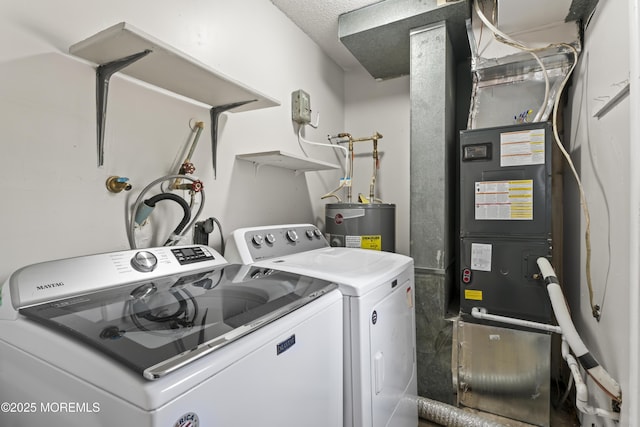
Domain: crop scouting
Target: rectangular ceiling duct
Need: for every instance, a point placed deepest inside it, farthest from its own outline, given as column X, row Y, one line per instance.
column 378, row 35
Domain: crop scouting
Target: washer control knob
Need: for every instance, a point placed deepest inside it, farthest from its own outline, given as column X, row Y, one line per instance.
column 144, row 261
column 309, row 234
column 317, row 232
column 292, row 235
column 257, row 239
column 270, row 238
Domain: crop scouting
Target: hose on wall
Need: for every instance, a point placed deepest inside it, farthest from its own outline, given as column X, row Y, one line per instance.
column 131, row 222
column 150, row 203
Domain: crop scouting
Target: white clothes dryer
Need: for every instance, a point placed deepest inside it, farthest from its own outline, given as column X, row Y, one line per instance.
column 380, row 383
column 168, row 337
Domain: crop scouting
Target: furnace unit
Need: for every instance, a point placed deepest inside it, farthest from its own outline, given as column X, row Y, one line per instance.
column 505, row 219
column 505, row 225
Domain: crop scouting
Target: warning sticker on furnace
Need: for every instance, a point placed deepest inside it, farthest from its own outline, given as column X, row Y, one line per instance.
column 472, row 294
column 524, row 147
column 481, row 256
column 506, row 200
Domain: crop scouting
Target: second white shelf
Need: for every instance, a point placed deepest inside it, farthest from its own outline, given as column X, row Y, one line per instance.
column 284, row 160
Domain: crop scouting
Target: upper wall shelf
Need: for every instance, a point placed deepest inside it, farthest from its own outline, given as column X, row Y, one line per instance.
column 139, row 55
column 284, row 160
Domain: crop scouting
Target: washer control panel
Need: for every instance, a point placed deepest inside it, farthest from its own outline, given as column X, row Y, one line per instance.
column 64, row 278
column 260, row 243
column 191, row 254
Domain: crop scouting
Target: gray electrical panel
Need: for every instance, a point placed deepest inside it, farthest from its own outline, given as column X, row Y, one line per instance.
column 505, row 219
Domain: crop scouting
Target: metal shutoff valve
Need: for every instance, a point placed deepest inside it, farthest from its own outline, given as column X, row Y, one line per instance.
column 116, row 184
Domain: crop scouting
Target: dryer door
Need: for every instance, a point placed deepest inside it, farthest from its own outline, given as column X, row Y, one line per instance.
column 392, row 338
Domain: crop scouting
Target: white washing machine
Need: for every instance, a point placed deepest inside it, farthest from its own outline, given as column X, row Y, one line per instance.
column 168, row 337
column 380, row 383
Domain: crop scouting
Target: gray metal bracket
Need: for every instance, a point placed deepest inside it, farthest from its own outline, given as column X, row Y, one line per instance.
column 103, row 75
column 215, row 114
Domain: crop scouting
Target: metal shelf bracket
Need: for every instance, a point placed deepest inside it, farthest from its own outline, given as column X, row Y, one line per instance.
column 215, row 114
column 103, row 75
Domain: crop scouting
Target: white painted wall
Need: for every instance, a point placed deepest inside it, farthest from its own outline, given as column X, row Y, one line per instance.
column 601, row 149
column 54, row 199
column 381, row 106
column 633, row 391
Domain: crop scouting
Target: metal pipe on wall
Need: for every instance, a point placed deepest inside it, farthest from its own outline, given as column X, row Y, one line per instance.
column 432, row 166
column 433, row 140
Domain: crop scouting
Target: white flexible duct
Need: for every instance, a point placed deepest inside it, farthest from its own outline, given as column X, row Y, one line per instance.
column 588, row 362
column 501, row 384
column 450, row 416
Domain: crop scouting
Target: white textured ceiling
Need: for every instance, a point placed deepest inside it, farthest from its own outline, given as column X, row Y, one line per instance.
column 319, row 20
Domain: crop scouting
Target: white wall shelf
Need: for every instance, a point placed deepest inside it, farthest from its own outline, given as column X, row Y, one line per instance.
column 284, row 160
column 123, row 47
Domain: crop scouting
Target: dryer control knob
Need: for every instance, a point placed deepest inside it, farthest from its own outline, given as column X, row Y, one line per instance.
column 309, row 234
column 144, row 261
column 292, row 235
column 270, row 238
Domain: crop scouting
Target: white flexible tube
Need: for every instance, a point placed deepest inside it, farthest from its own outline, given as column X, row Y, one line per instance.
column 323, row 144
column 590, row 364
column 583, row 197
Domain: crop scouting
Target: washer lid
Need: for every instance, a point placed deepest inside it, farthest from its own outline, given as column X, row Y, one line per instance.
column 158, row 326
column 357, row 271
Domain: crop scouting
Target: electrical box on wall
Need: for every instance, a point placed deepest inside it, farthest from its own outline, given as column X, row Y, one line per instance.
column 300, row 107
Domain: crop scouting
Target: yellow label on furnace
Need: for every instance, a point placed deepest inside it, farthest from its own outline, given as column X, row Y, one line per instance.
column 371, row 242
column 473, row 294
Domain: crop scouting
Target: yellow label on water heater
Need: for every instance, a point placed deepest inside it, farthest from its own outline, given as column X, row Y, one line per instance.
column 473, row 294
column 371, row 242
